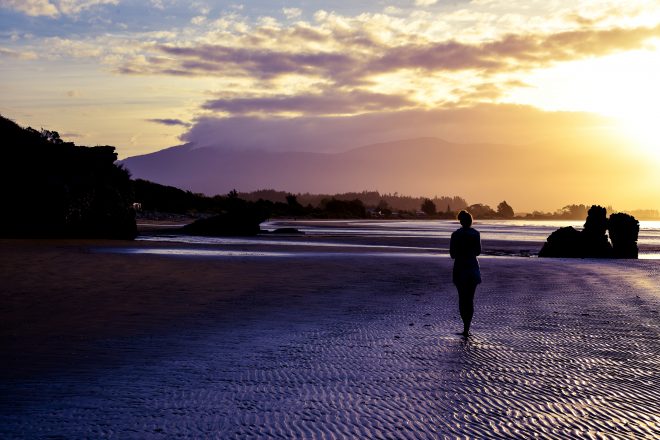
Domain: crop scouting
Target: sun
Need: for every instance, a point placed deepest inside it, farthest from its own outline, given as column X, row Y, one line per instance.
column 624, row 87
column 633, row 98
column 643, row 130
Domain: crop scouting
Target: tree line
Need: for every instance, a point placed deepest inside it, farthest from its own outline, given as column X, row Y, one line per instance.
column 370, row 199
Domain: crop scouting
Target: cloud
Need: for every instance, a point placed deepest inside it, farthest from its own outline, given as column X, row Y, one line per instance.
column 514, row 52
column 291, row 13
column 480, row 123
column 170, row 122
column 33, row 8
column 53, row 8
column 350, row 70
column 21, row 55
column 237, row 62
column 71, row 135
column 197, row 20
column 327, row 102
column 425, row 2
column 352, row 57
column 73, row 7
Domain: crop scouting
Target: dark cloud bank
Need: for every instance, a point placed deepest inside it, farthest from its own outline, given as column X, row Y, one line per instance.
column 511, row 124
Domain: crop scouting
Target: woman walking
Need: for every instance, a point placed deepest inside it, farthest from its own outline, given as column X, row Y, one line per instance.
column 464, row 247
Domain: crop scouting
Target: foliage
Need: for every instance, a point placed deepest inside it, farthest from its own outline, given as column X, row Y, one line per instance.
column 52, row 188
column 156, row 197
column 334, row 208
column 574, row 211
column 383, row 208
column 504, row 210
column 428, row 207
column 370, row 199
column 480, row 211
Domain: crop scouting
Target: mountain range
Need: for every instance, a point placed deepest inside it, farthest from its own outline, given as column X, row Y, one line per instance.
column 424, row 166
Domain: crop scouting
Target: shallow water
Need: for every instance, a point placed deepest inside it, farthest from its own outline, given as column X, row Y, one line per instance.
column 383, row 238
column 509, row 230
column 258, row 254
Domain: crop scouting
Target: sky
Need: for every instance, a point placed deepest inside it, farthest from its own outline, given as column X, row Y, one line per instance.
column 331, row 76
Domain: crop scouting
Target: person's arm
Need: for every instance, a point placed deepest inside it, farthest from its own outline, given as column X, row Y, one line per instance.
column 452, row 245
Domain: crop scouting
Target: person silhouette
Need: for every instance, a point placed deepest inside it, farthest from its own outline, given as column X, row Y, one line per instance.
column 464, row 246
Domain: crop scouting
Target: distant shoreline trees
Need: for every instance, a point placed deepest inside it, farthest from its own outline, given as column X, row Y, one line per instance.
column 371, row 199
column 156, row 198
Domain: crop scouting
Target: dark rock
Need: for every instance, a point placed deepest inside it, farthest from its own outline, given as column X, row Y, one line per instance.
column 241, row 222
column 594, row 237
column 592, row 241
column 624, row 231
column 52, row 188
column 564, row 242
column 288, row 231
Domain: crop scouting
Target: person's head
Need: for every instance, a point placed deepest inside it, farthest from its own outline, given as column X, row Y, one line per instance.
column 465, row 218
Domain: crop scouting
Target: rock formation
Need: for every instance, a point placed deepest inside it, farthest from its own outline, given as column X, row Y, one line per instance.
column 592, row 241
column 240, row 221
column 594, row 235
column 624, row 231
column 564, row 242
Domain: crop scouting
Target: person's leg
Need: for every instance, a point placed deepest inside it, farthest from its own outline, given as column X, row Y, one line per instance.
column 466, row 305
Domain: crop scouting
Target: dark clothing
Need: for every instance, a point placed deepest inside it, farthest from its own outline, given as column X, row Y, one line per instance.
column 464, row 247
column 466, row 303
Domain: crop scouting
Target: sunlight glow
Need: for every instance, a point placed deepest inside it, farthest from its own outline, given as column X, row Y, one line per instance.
column 623, row 86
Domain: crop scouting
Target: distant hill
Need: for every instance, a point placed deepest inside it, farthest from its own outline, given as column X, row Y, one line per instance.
column 425, row 166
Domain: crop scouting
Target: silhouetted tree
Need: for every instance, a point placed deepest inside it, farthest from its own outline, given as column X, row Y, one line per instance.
column 428, row 207
column 155, row 197
column 481, row 211
column 504, row 210
column 344, row 209
column 384, row 208
column 368, row 198
column 574, row 212
column 294, row 207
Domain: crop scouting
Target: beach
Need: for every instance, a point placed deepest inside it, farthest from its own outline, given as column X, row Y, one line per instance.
column 329, row 336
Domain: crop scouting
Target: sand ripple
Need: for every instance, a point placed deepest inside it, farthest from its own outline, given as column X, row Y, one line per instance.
column 561, row 350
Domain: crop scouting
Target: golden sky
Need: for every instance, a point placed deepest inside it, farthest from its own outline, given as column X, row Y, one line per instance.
column 555, row 76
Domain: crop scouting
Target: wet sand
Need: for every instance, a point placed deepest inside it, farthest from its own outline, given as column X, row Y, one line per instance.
column 98, row 344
